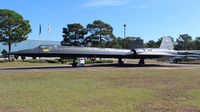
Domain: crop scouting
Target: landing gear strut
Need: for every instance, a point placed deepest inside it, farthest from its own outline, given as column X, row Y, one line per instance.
column 34, row 58
column 16, row 57
column 23, row 58
column 74, row 64
column 120, row 61
column 141, row 62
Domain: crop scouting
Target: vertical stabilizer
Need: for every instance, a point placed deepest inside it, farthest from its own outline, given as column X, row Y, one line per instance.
column 167, row 43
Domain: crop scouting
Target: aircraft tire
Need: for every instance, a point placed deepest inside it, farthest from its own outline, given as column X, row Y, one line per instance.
column 34, row 58
column 74, row 64
column 120, row 62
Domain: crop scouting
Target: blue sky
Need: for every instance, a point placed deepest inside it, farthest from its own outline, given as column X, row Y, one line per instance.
column 148, row 19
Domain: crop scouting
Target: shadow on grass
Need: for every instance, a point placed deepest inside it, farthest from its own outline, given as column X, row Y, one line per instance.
column 87, row 66
column 123, row 65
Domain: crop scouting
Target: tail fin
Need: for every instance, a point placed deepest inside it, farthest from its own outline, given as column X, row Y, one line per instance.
column 167, row 43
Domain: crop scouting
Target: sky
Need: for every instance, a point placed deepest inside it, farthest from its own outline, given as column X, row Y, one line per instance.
column 148, row 19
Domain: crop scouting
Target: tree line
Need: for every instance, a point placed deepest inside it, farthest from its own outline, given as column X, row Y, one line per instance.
column 96, row 34
column 100, row 34
column 183, row 42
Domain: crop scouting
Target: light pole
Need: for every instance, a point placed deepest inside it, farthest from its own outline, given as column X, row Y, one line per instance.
column 124, row 31
column 124, row 35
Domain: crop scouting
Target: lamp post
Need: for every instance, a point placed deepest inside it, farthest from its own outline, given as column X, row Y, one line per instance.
column 124, row 35
column 124, row 31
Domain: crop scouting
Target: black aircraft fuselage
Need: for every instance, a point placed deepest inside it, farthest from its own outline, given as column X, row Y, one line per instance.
column 72, row 52
column 78, row 52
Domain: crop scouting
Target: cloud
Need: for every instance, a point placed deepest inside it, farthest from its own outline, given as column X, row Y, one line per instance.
column 105, row 3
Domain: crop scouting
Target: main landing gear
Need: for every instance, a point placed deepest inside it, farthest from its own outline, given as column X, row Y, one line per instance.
column 120, row 62
column 23, row 58
column 74, row 64
column 141, row 62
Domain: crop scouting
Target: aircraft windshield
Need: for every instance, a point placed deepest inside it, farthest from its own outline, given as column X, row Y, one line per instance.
column 47, row 46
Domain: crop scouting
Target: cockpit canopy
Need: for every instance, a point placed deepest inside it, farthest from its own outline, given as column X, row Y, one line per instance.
column 48, row 46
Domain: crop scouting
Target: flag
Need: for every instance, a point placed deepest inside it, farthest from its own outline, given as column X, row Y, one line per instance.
column 40, row 29
column 49, row 28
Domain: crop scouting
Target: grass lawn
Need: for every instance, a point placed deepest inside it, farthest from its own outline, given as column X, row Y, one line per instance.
column 84, row 90
column 24, row 64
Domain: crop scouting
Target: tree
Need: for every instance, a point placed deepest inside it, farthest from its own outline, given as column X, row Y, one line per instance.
column 13, row 28
column 99, row 32
column 184, row 42
column 156, row 44
column 197, row 43
column 114, row 43
column 151, row 44
column 73, row 34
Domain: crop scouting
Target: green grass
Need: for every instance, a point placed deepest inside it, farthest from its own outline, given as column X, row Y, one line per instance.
column 24, row 64
column 101, row 90
column 45, row 63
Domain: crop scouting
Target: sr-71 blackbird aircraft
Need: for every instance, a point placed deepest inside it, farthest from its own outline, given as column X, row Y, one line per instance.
column 165, row 50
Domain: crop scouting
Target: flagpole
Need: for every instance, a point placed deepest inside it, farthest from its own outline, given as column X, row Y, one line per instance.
column 47, row 36
column 49, row 30
column 39, row 34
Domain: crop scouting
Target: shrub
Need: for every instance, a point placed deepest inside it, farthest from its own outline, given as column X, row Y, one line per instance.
column 65, row 61
column 98, row 61
column 52, row 61
column 36, row 61
column 2, row 61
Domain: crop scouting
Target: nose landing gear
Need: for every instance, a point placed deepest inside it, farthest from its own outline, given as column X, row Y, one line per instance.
column 74, row 64
column 120, row 62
